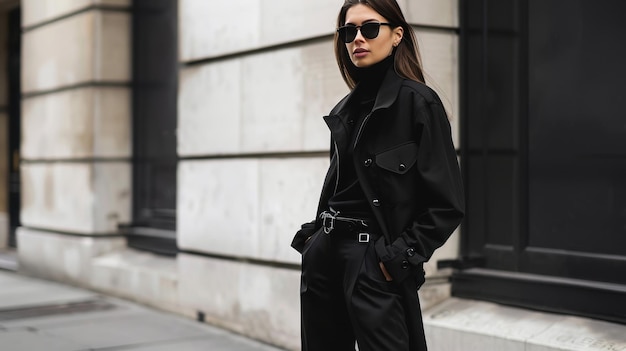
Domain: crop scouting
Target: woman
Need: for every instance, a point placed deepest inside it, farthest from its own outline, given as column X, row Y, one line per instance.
column 392, row 194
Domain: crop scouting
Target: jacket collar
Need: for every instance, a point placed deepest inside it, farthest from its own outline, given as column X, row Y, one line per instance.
column 386, row 96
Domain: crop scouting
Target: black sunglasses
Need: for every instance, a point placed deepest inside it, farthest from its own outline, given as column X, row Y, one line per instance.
column 369, row 30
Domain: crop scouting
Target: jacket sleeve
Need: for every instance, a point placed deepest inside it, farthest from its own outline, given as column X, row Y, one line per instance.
column 302, row 235
column 443, row 203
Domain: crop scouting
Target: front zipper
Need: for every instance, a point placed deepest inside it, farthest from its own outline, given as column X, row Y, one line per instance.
column 358, row 134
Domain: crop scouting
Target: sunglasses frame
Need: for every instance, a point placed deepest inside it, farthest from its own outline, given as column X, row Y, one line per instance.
column 358, row 29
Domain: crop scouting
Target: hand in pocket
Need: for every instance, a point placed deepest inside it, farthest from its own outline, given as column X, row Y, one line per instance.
column 385, row 273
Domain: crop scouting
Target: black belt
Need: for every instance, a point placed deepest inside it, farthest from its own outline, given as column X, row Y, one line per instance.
column 347, row 227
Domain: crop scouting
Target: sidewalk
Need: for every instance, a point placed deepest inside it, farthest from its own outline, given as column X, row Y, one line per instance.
column 41, row 315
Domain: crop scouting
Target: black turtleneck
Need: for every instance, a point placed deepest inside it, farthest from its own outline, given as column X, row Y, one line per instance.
column 349, row 199
column 371, row 77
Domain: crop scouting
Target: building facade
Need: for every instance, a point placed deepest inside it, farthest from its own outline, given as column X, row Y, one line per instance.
column 166, row 151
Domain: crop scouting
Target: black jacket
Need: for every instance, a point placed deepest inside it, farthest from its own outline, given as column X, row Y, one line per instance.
column 407, row 166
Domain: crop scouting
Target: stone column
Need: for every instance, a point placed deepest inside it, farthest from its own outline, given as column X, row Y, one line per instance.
column 76, row 134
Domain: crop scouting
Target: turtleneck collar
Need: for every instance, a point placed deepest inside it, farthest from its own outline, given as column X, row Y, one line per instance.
column 372, row 76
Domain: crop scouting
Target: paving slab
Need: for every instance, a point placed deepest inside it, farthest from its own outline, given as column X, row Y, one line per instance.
column 20, row 291
column 213, row 343
column 118, row 309
column 114, row 331
column 31, row 340
column 41, row 315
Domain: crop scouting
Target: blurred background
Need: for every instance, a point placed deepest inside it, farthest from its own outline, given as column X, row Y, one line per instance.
column 166, row 151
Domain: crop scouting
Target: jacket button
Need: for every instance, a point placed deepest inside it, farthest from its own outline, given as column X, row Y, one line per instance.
column 410, row 252
column 368, row 162
column 402, row 167
column 376, row 202
column 405, row 264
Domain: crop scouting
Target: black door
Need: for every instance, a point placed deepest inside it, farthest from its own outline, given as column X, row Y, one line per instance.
column 545, row 154
column 14, row 61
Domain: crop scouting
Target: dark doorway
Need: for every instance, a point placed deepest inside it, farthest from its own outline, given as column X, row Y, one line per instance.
column 155, row 79
column 14, row 109
column 544, row 155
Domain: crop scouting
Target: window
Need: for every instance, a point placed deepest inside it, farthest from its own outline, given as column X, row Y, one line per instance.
column 155, row 77
column 14, row 112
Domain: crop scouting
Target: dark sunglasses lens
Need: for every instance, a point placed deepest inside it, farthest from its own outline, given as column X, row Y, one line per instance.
column 370, row 30
column 347, row 33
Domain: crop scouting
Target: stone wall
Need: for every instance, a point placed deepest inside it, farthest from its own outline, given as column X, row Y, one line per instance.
column 76, row 140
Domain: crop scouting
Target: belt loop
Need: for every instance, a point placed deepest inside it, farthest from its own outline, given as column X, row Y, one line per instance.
column 364, row 237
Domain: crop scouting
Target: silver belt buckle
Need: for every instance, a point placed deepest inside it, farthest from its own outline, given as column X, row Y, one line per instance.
column 328, row 216
column 364, row 237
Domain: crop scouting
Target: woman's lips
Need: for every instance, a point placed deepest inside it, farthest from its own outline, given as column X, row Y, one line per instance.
column 358, row 53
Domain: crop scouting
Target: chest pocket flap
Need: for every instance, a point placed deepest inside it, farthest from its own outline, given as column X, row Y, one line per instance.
column 399, row 159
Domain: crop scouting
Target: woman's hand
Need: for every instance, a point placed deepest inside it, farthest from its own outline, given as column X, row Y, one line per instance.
column 385, row 273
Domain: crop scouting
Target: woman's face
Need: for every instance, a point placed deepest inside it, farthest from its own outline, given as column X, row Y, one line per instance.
column 366, row 52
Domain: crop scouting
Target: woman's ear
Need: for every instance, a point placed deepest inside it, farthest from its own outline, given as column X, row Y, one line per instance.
column 398, row 33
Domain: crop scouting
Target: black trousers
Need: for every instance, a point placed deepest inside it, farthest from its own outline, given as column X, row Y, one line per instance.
column 345, row 298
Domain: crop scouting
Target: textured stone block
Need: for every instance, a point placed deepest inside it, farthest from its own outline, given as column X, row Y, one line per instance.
column 247, row 208
column 56, row 55
column 89, row 198
column 218, row 206
column 77, row 123
column 265, row 102
column 260, row 23
column 443, row 13
column 209, row 109
column 257, row 301
column 139, row 276
column 61, row 257
column 37, row 11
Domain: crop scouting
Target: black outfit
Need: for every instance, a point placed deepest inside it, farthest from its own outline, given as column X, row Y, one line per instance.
column 394, row 166
column 349, row 198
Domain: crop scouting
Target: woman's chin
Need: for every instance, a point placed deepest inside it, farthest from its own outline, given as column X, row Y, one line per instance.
column 361, row 63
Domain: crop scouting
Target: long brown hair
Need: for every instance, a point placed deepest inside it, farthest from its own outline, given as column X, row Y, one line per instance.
column 407, row 60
